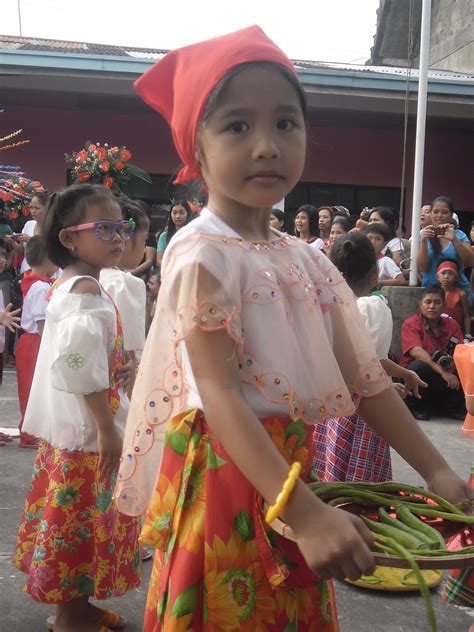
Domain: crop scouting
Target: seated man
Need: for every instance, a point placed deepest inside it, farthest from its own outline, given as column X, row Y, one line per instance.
column 428, row 342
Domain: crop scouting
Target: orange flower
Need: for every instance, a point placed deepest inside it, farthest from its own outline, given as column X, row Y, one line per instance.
column 114, row 150
column 101, row 153
column 91, row 148
column 25, row 210
column 83, row 177
column 81, row 156
column 238, row 594
column 105, row 165
column 13, row 214
column 298, row 604
column 108, row 182
column 125, row 155
column 156, row 529
column 119, row 165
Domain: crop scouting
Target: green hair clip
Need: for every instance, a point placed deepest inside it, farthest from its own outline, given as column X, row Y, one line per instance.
column 132, row 223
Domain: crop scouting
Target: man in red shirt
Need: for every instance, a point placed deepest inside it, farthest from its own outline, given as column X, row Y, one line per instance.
column 428, row 341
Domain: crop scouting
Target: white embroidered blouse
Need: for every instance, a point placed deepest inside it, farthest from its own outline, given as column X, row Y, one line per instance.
column 78, row 339
column 302, row 345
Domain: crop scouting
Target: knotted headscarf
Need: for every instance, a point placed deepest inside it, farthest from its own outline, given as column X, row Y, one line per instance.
column 178, row 85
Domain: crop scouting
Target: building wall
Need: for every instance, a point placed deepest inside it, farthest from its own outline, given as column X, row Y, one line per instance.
column 339, row 154
column 452, row 35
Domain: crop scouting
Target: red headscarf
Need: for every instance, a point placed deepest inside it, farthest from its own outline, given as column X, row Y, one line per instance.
column 178, row 85
column 448, row 265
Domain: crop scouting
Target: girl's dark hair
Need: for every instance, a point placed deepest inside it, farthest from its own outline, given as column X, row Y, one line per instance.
column 434, row 241
column 68, row 208
column 43, row 197
column 388, row 217
column 343, row 221
column 280, row 216
column 133, row 210
column 170, row 226
column 354, row 256
column 326, row 208
column 377, row 229
column 213, row 99
column 444, row 200
column 312, row 214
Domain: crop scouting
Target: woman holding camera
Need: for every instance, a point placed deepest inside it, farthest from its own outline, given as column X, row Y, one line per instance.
column 441, row 240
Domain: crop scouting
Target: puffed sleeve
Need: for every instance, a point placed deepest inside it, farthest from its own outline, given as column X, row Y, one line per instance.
column 200, row 289
column 379, row 323
column 82, row 328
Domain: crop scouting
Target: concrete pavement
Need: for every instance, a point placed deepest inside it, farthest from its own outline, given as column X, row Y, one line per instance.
column 359, row 610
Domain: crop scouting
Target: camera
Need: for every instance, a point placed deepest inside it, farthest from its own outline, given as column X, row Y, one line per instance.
column 445, row 358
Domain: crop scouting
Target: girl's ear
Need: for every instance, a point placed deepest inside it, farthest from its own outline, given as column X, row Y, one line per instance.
column 67, row 239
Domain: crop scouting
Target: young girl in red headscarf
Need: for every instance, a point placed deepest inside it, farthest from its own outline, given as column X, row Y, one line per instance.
column 227, row 410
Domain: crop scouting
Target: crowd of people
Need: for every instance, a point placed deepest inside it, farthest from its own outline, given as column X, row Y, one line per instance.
column 186, row 376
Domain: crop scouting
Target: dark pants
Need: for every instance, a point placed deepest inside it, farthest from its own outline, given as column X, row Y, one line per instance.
column 437, row 397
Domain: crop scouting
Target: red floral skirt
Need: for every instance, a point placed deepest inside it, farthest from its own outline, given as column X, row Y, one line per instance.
column 72, row 542
column 218, row 566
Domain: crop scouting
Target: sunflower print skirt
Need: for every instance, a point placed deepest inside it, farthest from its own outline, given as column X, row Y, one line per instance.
column 217, row 566
column 72, row 542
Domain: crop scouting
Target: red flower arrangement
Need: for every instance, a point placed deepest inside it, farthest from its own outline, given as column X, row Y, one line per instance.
column 101, row 164
column 16, row 193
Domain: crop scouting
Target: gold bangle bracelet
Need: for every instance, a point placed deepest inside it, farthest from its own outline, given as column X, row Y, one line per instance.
column 282, row 498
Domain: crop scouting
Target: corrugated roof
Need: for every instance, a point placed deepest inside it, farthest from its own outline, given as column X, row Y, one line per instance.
column 11, row 42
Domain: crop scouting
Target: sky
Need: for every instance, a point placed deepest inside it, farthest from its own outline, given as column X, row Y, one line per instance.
column 316, row 30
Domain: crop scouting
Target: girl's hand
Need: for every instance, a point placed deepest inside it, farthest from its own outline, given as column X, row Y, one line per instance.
column 336, row 544
column 427, row 233
column 450, row 486
column 449, row 232
column 110, row 449
column 9, row 318
column 401, row 390
column 412, row 384
column 126, row 375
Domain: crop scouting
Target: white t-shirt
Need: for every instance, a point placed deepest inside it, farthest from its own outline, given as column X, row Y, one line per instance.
column 394, row 245
column 34, row 306
column 28, row 229
column 77, row 345
column 388, row 269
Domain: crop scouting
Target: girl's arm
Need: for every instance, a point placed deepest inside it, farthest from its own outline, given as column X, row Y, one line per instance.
column 332, row 542
column 150, row 254
column 388, row 416
column 466, row 313
column 108, row 439
column 423, row 258
column 463, row 248
column 398, row 280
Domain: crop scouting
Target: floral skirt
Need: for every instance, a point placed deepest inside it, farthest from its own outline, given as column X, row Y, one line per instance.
column 72, row 542
column 218, row 566
column 347, row 449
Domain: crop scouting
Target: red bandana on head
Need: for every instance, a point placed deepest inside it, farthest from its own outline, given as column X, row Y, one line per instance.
column 178, row 86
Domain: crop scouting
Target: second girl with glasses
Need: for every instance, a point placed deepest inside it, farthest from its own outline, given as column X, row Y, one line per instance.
column 72, row 543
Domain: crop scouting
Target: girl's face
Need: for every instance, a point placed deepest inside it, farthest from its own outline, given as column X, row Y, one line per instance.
column 447, row 278
column 471, row 234
column 440, row 213
column 302, row 223
column 336, row 232
column 325, row 219
column 153, row 286
column 375, row 218
column 179, row 217
column 275, row 222
column 252, row 149
column 87, row 248
column 36, row 208
column 134, row 249
column 377, row 241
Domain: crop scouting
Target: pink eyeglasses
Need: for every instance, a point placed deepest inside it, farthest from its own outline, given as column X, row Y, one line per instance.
column 105, row 230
